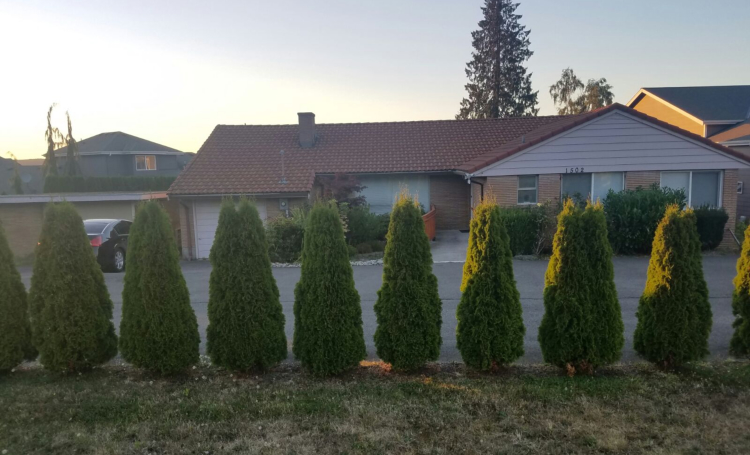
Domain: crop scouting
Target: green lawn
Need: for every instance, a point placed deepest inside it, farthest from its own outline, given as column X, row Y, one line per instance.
column 529, row 409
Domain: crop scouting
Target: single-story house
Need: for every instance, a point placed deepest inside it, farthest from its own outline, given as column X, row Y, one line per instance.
column 719, row 113
column 21, row 215
column 449, row 163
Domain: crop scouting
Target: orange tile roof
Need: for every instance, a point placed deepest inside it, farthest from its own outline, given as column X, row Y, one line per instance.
column 245, row 159
column 239, row 159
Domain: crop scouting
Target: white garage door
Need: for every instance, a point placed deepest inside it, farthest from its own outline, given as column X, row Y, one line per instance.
column 206, row 220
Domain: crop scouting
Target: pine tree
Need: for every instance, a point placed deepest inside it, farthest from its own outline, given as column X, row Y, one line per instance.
column 328, row 336
column 740, row 344
column 408, row 308
column 15, row 331
column 69, row 304
column 490, row 326
column 158, row 330
column 582, row 324
column 499, row 85
column 246, row 320
column 674, row 314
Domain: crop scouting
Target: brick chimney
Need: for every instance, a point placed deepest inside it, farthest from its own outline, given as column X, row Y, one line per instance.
column 307, row 133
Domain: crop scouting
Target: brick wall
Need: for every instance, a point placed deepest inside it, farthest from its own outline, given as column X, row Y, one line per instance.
column 549, row 187
column 22, row 224
column 505, row 189
column 451, row 195
column 743, row 200
column 634, row 179
column 729, row 202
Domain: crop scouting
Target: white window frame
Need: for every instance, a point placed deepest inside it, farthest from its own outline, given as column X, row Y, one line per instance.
column 535, row 188
column 690, row 184
column 591, row 187
column 145, row 162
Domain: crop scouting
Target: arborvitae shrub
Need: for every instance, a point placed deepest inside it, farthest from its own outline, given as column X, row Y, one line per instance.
column 246, row 321
column 158, row 330
column 15, row 331
column 582, row 324
column 69, row 305
column 490, row 327
column 328, row 336
column 408, row 307
column 740, row 344
column 674, row 314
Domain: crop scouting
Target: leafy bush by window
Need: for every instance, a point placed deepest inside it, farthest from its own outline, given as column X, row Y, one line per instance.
column 365, row 226
column 633, row 215
column 529, row 227
column 77, row 184
column 711, row 222
column 285, row 238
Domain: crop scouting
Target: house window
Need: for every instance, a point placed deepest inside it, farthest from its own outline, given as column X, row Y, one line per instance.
column 145, row 163
column 701, row 187
column 596, row 185
column 527, row 189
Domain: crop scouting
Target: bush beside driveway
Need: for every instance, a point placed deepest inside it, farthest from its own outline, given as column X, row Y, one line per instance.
column 630, row 278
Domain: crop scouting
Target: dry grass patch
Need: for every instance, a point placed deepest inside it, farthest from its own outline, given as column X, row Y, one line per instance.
column 442, row 409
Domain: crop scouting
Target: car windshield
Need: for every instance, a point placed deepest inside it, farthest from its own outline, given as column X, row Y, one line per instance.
column 94, row 227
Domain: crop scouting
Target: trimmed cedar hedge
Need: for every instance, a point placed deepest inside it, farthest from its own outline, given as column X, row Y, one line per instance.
column 245, row 318
column 408, row 308
column 740, row 344
column 674, row 314
column 77, row 184
column 328, row 336
column 490, row 326
column 69, row 304
column 158, row 329
column 582, row 324
column 15, row 331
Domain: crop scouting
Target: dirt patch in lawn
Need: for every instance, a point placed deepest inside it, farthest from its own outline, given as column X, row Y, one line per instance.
column 442, row 409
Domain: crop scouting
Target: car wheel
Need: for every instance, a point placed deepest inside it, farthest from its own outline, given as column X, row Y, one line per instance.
column 118, row 261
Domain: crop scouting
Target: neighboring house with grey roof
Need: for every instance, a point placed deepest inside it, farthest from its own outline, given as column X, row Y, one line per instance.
column 120, row 154
column 719, row 113
column 450, row 164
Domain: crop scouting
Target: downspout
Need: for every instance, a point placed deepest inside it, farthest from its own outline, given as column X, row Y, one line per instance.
column 189, row 230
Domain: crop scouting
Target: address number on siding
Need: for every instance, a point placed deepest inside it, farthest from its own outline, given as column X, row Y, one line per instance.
column 573, row 170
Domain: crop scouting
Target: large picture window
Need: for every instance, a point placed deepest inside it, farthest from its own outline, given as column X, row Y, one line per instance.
column 595, row 185
column 145, row 163
column 701, row 187
column 527, row 189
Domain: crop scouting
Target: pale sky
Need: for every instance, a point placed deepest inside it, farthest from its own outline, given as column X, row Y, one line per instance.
column 170, row 71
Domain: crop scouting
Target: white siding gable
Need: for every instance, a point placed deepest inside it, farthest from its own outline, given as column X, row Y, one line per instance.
column 614, row 142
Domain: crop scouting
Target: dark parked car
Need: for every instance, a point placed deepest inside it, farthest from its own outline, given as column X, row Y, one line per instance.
column 109, row 238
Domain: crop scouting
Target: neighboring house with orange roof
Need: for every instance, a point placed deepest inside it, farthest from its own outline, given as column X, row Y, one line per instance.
column 450, row 163
column 719, row 113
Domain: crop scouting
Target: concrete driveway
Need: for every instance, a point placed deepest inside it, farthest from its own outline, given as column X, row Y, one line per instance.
column 630, row 276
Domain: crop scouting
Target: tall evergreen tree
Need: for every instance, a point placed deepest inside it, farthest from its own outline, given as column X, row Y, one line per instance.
column 69, row 305
column 15, row 331
column 674, row 314
column 582, row 324
column 740, row 344
column 490, row 326
column 499, row 85
column 158, row 330
column 246, row 320
column 408, row 308
column 328, row 336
